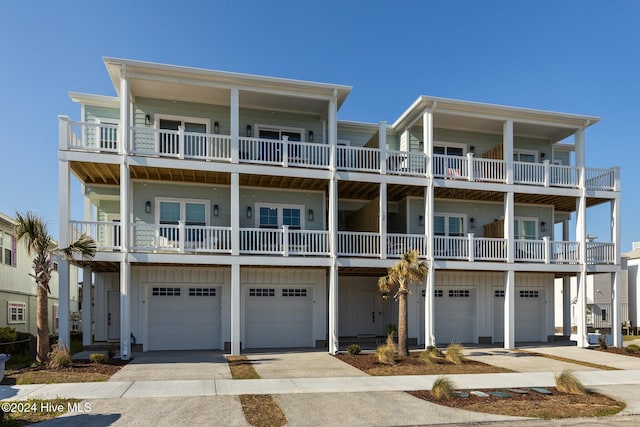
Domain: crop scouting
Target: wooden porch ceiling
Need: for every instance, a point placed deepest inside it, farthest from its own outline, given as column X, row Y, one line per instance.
column 369, row 191
column 362, row 271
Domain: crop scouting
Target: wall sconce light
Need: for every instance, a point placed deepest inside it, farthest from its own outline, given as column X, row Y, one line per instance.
column 543, row 226
column 421, row 219
column 310, row 136
column 385, row 295
column 147, row 120
column 249, row 212
column 543, row 156
column 472, row 149
column 216, row 127
column 310, row 214
column 472, row 223
column 216, row 210
column 249, row 131
column 147, row 207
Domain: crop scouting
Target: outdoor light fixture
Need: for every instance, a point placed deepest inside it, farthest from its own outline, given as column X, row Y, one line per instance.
column 216, row 127
column 216, row 210
column 543, row 156
column 421, row 219
column 310, row 136
column 543, row 226
column 310, row 214
column 147, row 207
column 472, row 149
column 249, row 131
column 147, row 120
column 472, row 223
column 249, row 212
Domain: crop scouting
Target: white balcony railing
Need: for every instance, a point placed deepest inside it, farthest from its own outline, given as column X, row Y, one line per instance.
column 565, row 252
column 358, row 244
column 105, row 233
column 601, row 253
column 528, row 173
column 489, row 170
column 92, row 137
column 398, row 244
column 406, row 163
column 489, row 249
column 600, row 179
column 359, row 159
column 529, row 250
column 180, row 238
column 283, row 241
column 180, row 144
column 284, row 153
column 450, row 167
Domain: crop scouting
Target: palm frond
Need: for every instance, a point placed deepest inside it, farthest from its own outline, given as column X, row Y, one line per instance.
column 84, row 246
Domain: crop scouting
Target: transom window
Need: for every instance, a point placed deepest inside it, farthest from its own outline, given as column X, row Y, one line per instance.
column 275, row 216
column 449, row 225
column 16, row 312
column 529, row 294
column 294, row 292
column 459, row 293
column 165, row 292
column 498, row 293
column 262, row 292
column 438, row 293
column 202, row 292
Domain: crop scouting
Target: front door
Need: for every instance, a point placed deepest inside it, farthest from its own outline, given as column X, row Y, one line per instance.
column 369, row 319
column 113, row 315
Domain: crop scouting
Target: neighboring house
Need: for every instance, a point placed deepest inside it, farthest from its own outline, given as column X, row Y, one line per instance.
column 630, row 263
column 17, row 287
column 236, row 211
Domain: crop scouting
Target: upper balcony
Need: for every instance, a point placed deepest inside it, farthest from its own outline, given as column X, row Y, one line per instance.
column 213, row 147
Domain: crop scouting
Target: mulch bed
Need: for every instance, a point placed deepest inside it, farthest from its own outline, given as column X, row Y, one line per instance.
column 617, row 350
column 79, row 371
column 413, row 365
column 557, row 405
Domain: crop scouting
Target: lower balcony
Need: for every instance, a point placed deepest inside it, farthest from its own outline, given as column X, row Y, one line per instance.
column 194, row 239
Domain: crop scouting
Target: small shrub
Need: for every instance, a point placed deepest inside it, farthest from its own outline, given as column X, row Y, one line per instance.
column 59, row 357
column 602, row 343
column 567, row 382
column 386, row 354
column 632, row 348
column 392, row 331
column 454, row 354
column 443, row 388
column 430, row 355
column 97, row 357
column 354, row 349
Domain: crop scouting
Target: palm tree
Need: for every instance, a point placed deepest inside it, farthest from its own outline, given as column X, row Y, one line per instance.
column 42, row 247
column 410, row 269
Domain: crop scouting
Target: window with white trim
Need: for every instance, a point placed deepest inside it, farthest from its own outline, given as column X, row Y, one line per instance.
column 165, row 292
column 294, row 292
column 459, row 293
column 527, row 156
column 169, row 212
column 275, row 216
column 438, row 293
column 194, row 143
column 16, row 312
column 449, row 224
column 262, row 292
column 8, row 248
column 529, row 294
column 498, row 293
column 278, row 132
column 525, row 228
column 202, row 292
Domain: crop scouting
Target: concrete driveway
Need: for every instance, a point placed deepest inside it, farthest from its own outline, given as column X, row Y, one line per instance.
column 175, row 365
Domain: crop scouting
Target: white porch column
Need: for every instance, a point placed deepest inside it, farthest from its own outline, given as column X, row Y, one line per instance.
column 87, row 306
column 566, row 290
column 616, row 305
column 334, row 344
column 64, row 314
column 509, row 310
column 429, row 335
column 581, row 237
column 507, row 149
column 235, row 309
column 235, row 124
column 125, row 109
column 125, row 311
column 581, row 311
column 235, row 213
column 382, row 146
column 509, row 234
column 382, row 220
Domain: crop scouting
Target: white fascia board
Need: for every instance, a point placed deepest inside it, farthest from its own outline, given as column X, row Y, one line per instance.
column 95, row 100
column 113, row 67
column 479, row 109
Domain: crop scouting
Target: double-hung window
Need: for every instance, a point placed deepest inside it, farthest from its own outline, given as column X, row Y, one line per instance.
column 7, row 249
column 525, row 228
column 275, row 216
column 451, row 225
column 16, row 312
column 272, row 151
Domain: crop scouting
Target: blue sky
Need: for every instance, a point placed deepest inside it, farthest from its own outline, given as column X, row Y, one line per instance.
column 580, row 57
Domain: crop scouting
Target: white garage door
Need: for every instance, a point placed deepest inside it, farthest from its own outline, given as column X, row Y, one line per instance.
column 529, row 314
column 184, row 318
column 455, row 315
column 278, row 317
column 498, row 315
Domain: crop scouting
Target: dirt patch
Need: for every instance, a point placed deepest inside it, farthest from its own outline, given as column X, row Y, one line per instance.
column 262, row 410
column 413, row 365
column 533, row 404
column 241, row 368
column 618, row 350
column 80, row 371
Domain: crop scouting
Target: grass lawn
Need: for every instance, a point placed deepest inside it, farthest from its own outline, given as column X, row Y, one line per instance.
column 26, row 412
column 259, row 409
column 557, row 405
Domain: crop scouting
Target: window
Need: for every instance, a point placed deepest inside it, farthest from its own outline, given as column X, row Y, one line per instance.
column 459, row 293
column 529, row 294
column 165, row 292
column 16, row 312
column 202, row 292
column 7, row 249
column 498, row 293
column 525, row 228
column 524, row 156
column 191, row 212
column 294, row 292
column 449, row 167
column 438, row 293
column 275, row 216
column 262, row 292
column 449, row 225
column 603, row 312
column 266, row 132
column 194, row 143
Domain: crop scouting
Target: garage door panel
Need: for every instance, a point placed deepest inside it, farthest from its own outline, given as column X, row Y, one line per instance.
column 529, row 314
column 454, row 311
column 278, row 317
column 184, row 318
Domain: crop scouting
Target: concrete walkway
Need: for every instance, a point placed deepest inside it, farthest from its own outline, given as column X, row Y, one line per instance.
column 313, row 388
